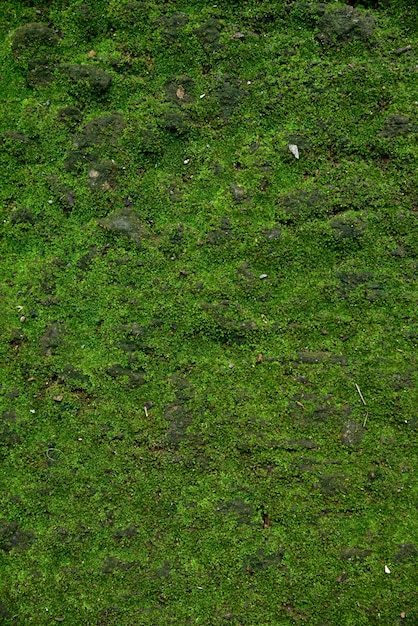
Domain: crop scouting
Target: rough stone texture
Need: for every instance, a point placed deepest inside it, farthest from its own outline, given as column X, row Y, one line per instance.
column 124, row 222
column 345, row 24
column 33, row 38
column 352, row 434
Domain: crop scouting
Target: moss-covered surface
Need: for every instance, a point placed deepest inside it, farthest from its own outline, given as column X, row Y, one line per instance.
column 208, row 345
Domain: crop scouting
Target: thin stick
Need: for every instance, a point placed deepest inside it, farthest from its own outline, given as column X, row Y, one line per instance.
column 53, row 450
column 146, row 411
column 365, row 420
column 360, row 394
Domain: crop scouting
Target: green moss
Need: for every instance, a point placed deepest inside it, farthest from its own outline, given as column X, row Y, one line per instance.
column 208, row 346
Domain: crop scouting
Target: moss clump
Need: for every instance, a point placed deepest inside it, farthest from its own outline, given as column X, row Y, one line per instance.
column 340, row 24
column 97, row 80
column 100, row 131
column 33, row 39
column 71, row 116
column 397, row 125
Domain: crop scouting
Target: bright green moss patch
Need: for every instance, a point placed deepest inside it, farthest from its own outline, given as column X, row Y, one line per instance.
column 208, row 345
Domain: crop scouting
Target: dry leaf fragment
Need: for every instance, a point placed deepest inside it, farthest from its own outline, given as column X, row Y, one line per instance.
column 266, row 521
column 294, row 150
column 259, row 359
column 57, row 398
column 237, row 36
column 180, row 92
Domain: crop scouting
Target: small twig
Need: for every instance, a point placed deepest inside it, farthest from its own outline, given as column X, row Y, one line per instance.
column 146, row 411
column 365, row 420
column 401, row 50
column 360, row 394
column 53, row 450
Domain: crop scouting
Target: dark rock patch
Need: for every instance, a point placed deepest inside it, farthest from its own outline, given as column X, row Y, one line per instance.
column 102, row 175
column 124, row 222
column 123, row 535
column 95, row 78
column 179, row 418
column 240, row 509
column 172, row 25
column 40, row 72
column 341, row 24
column 355, row 554
column 9, row 437
column 406, row 552
column 209, row 33
column 313, row 358
column 50, row 340
column 227, row 322
column 22, row 216
column 113, row 564
column 349, row 281
column 221, row 234
column 333, row 484
column 104, row 130
column 15, row 144
column 12, row 536
column 174, row 120
column 261, row 561
column 397, row 125
column 75, row 379
column 238, row 193
column 352, row 434
column 71, row 116
column 179, row 90
column 229, row 95
column 135, row 378
column 303, row 204
column 33, row 38
column 347, row 226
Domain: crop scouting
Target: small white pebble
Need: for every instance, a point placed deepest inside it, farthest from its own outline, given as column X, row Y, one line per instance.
column 186, row 161
column 387, row 570
column 263, row 276
column 231, row 365
column 202, row 95
column 32, row 410
column 50, row 201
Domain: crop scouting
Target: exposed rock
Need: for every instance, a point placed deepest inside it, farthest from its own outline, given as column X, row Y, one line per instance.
column 100, row 131
column 341, row 24
column 172, row 25
column 97, row 79
column 209, row 33
column 124, row 222
column 102, row 175
column 261, row 561
column 406, row 552
column 135, row 378
column 33, row 38
column 179, row 90
column 14, row 537
column 352, row 434
column 348, row 225
column 40, row 72
column 333, row 484
column 229, row 96
column 395, row 126
column 50, row 340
